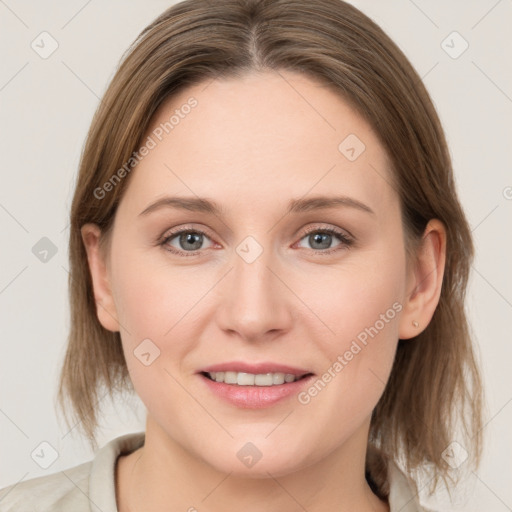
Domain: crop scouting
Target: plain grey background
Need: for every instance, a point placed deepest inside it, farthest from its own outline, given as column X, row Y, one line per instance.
column 46, row 108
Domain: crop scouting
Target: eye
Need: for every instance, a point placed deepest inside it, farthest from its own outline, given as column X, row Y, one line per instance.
column 320, row 239
column 188, row 240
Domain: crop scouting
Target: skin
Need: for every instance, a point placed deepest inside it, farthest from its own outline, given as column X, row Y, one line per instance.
column 252, row 144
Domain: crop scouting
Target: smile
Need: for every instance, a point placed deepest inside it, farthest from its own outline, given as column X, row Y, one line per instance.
column 254, row 390
column 251, row 379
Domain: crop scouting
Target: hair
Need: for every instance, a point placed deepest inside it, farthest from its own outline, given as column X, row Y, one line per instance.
column 435, row 387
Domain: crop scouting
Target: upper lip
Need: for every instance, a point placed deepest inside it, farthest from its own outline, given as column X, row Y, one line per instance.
column 255, row 368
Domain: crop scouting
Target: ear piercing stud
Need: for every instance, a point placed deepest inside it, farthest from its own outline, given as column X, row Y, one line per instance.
column 416, row 324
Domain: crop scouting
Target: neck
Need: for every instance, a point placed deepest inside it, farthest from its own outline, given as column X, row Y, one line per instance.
column 162, row 475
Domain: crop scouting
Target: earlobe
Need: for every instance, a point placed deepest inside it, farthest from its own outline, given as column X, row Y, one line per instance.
column 105, row 305
column 424, row 281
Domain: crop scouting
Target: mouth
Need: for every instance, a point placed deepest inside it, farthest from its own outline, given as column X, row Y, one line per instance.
column 254, row 386
column 268, row 379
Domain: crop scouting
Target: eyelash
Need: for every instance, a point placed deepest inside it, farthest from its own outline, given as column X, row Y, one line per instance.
column 345, row 240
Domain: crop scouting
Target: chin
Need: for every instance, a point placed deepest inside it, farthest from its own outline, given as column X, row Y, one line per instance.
column 247, row 461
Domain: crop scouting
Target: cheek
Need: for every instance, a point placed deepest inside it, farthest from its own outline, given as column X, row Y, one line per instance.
column 151, row 297
column 363, row 310
column 353, row 295
column 153, row 304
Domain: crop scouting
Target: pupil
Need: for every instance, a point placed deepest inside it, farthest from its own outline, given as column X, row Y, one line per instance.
column 318, row 237
column 189, row 238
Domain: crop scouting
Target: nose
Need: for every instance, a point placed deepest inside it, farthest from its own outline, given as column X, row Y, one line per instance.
column 255, row 303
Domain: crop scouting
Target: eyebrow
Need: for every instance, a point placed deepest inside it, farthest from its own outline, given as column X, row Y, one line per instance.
column 198, row 204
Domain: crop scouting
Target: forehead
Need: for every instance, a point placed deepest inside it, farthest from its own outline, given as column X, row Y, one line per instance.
column 262, row 135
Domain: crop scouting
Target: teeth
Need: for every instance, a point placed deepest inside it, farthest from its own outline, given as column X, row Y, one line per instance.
column 250, row 379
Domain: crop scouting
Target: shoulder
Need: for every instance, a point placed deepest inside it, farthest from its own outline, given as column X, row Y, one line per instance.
column 82, row 488
column 65, row 490
column 403, row 492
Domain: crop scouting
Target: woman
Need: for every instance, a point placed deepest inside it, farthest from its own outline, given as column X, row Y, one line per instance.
column 266, row 246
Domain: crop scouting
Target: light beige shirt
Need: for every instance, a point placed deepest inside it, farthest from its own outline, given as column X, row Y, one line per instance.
column 90, row 487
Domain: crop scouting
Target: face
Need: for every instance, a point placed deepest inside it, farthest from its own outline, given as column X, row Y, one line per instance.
column 301, row 270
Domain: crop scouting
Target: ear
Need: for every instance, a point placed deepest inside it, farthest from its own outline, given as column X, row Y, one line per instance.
column 424, row 281
column 105, row 305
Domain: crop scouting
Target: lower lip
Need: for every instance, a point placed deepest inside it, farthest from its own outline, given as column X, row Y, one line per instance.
column 255, row 397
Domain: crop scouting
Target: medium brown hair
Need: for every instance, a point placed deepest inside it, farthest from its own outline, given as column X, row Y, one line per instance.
column 435, row 384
